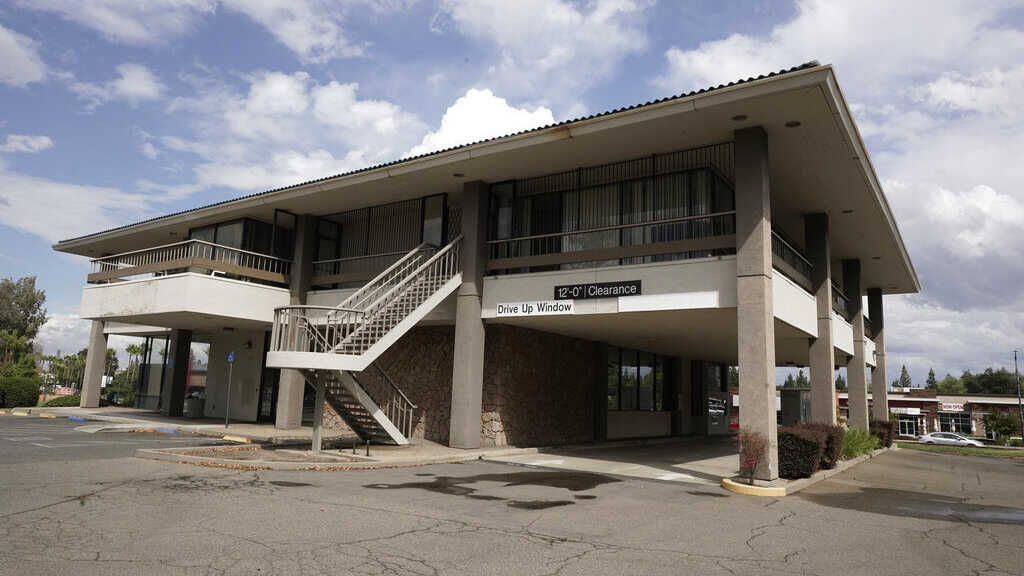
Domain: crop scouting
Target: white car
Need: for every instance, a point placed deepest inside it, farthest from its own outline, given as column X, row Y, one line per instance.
column 947, row 438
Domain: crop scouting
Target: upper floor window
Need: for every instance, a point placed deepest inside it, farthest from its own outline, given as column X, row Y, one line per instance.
column 595, row 212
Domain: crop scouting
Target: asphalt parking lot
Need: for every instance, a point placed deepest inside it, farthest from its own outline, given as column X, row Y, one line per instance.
column 100, row 513
column 34, row 439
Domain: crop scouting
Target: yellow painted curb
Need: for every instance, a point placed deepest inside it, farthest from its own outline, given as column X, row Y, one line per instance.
column 239, row 439
column 47, row 415
column 20, row 413
column 748, row 490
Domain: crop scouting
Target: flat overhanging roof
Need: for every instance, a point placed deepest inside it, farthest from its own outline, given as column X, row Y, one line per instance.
column 819, row 166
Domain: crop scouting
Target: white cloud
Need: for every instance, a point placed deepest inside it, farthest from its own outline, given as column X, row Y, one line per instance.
column 989, row 92
column 906, row 40
column 552, row 51
column 477, row 116
column 285, row 128
column 311, row 29
column 135, row 83
column 20, row 63
column 28, row 143
column 132, row 22
column 63, row 333
column 58, row 210
column 149, row 150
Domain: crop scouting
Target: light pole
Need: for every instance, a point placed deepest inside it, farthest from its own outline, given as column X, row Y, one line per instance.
column 1020, row 405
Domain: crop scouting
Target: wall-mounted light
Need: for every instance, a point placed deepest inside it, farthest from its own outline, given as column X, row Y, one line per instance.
column 848, row 211
column 458, row 175
column 792, row 124
column 739, row 117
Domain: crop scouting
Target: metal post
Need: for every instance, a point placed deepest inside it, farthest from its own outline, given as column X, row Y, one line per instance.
column 1020, row 406
column 318, row 418
column 227, row 405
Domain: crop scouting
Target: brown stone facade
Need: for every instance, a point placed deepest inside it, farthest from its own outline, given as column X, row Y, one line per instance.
column 420, row 363
column 538, row 388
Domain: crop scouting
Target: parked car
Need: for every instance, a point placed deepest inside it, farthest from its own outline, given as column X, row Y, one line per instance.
column 948, row 438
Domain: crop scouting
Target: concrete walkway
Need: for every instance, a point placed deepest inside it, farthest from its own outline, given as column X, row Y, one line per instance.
column 703, row 461
column 120, row 418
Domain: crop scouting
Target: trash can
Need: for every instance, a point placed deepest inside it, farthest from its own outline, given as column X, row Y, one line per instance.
column 194, row 407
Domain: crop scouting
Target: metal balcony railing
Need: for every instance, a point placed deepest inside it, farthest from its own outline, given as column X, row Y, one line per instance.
column 190, row 256
column 840, row 305
column 694, row 236
column 790, row 261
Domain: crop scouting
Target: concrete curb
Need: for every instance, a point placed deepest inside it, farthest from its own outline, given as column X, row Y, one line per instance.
column 176, row 455
column 787, row 487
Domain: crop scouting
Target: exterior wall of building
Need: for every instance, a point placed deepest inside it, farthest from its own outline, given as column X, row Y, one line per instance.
column 538, row 388
column 197, row 294
column 794, row 305
column 245, row 375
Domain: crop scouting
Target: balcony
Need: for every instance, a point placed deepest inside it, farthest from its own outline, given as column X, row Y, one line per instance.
column 840, row 305
column 789, row 260
column 195, row 256
column 681, row 238
column 189, row 285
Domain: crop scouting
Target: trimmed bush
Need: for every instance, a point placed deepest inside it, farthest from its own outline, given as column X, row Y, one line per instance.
column 64, row 401
column 18, row 392
column 801, row 449
column 833, row 444
column 885, row 430
column 857, row 442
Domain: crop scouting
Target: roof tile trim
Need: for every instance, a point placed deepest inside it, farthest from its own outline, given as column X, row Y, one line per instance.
column 804, row 66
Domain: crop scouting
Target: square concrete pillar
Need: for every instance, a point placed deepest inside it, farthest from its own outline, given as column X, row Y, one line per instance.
column 856, row 370
column 175, row 379
column 95, row 363
column 468, row 363
column 754, row 311
column 291, row 387
column 822, row 355
column 879, row 384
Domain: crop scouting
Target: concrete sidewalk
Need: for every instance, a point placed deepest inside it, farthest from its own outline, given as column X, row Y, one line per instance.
column 114, row 418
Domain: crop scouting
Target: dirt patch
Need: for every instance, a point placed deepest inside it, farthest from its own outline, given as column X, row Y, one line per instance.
column 263, row 453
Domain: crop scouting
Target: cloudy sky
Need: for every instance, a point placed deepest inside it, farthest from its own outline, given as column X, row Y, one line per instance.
column 116, row 110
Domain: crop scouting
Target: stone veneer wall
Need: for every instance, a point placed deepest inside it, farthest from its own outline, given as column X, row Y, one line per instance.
column 420, row 363
column 538, row 388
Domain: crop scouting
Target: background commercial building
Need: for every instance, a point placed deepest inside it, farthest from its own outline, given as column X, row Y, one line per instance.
column 589, row 280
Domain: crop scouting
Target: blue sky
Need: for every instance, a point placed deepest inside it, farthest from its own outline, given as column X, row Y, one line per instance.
column 112, row 112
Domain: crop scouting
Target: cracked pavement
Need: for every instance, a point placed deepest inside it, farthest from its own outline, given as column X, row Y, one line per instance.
column 902, row 513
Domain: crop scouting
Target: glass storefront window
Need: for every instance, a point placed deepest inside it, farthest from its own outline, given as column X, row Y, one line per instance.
column 635, row 380
column 629, row 380
column 956, row 422
column 614, row 371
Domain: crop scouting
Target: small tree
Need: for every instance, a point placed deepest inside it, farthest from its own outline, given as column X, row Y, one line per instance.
column 801, row 380
column 840, row 383
column 753, row 449
column 931, row 383
column 1002, row 425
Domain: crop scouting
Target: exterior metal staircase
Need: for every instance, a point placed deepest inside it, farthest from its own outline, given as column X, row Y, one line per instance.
column 330, row 345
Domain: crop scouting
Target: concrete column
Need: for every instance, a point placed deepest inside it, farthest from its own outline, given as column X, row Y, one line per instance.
column 754, row 312
column 879, row 386
column 292, row 385
column 176, row 373
column 318, row 418
column 468, row 364
column 95, row 363
column 856, row 370
column 822, row 355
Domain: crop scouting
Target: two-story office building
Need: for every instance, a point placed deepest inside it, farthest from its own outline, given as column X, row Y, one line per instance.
column 583, row 281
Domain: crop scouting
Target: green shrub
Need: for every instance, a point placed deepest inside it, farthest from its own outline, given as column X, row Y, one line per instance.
column 885, row 430
column 1017, row 442
column 64, row 401
column 801, row 449
column 18, row 392
column 833, row 444
column 857, row 442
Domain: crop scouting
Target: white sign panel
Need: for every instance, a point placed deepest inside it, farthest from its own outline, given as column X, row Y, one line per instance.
column 951, row 407
column 535, row 308
column 907, row 411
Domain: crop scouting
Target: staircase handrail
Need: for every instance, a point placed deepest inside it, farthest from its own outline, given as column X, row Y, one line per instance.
column 372, row 284
column 415, row 273
column 394, row 386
